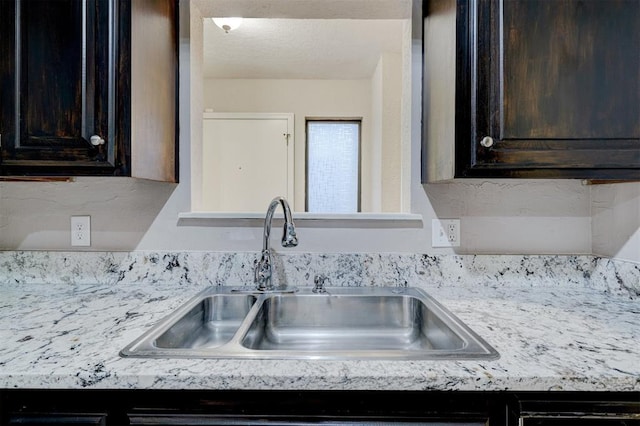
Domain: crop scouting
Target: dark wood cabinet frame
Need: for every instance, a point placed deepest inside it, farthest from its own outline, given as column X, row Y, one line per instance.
column 583, row 133
column 99, row 99
column 189, row 407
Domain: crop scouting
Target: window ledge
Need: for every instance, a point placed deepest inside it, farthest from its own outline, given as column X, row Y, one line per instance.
column 303, row 219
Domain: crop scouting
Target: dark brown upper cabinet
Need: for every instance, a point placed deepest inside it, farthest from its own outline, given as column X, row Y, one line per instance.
column 543, row 89
column 88, row 87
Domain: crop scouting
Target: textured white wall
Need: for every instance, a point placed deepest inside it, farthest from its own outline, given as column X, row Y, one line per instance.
column 374, row 154
column 391, row 131
column 530, row 217
column 616, row 220
column 501, row 217
column 191, row 101
column 303, row 98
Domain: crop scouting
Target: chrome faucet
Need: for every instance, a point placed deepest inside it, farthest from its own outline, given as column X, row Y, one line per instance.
column 263, row 271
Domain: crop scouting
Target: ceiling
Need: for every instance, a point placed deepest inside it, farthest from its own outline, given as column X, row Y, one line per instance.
column 300, row 48
column 307, row 9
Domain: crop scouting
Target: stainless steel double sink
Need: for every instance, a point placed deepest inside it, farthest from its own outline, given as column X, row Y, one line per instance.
column 345, row 323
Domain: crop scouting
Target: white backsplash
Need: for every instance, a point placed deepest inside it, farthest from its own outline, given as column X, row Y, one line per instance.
column 201, row 269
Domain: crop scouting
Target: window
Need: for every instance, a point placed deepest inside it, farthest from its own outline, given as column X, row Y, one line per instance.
column 333, row 166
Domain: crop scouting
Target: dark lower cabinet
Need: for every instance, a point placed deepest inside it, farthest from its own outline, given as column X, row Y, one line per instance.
column 271, row 421
column 43, row 419
column 172, row 408
column 334, row 408
column 575, row 420
column 579, row 410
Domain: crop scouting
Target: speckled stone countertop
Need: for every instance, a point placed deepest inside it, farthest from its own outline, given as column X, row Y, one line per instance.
column 558, row 322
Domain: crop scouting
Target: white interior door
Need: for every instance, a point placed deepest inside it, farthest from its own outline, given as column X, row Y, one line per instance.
column 236, row 182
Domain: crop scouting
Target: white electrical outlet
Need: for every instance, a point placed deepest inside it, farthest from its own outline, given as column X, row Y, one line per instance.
column 445, row 232
column 81, row 231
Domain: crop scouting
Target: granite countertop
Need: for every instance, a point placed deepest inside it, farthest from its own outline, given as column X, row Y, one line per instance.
column 550, row 336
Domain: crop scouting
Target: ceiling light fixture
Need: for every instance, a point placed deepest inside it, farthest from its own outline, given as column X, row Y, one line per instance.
column 227, row 24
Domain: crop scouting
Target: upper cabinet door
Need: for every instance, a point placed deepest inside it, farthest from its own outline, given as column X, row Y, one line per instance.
column 548, row 89
column 57, row 69
column 84, row 93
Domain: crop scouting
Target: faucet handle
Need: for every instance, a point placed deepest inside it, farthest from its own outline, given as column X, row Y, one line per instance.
column 319, row 282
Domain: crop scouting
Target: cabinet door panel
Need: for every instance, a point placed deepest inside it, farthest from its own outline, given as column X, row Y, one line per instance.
column 555, row 84
column 581, row 409
column 55, row 81
column 569, row 71
column 273, row 420
column 576, row 421
column 51, row 77
column 43, row 419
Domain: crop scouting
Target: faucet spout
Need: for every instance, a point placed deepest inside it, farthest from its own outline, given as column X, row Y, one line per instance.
column 263, row 271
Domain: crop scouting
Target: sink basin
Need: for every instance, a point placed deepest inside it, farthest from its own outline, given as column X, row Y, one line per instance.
column 211, row 323
column 344, row 323
column 349, row 322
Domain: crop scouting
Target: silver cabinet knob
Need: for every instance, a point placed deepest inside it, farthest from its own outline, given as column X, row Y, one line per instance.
column 96, row 140
column 487, row 142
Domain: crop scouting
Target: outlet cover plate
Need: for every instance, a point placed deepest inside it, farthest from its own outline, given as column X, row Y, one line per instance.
column 81, row 231
column 445, row 232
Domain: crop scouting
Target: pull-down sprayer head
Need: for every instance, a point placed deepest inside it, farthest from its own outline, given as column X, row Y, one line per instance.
column 263, row 270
